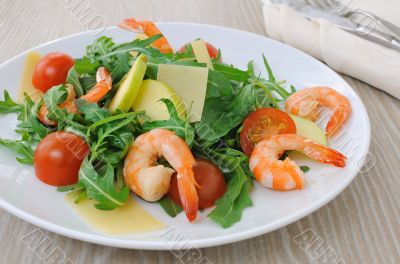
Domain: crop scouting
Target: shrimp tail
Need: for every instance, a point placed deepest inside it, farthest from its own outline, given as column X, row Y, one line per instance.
column 188, row 194
column 149, row 29
column 324, row 154
column 131, row 24
column 102, row 87
column 337, row 119
column 42, row 115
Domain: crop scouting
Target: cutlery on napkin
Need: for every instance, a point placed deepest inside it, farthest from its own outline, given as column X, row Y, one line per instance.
column 370, row 53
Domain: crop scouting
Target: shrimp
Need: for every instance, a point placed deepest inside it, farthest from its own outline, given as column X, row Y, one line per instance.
column 102, row 87
column 149, row 29
column 306, row 102
column 285, row 175
column 67, row 104
column 151, row 181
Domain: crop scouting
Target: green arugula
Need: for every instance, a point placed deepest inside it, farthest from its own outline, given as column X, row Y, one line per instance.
column 171, row 208
column 21, row 148
column 230, row 206
column 218, row 85
column 102, row 188
column 181, row 127
column 91, row 112
column 221, row 114
column 73, row 78
column 29, row 126
column 8, row 105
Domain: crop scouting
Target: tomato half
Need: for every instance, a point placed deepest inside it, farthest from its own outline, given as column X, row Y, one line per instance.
column 212, row 51
column 51, row 70
column 264, row 123
column 58, row 158
column 211, row 182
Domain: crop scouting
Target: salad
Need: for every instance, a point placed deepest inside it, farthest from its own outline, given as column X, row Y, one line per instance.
column 183, row 129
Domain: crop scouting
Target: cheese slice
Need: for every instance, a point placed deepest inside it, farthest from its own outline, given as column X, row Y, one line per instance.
column 189, row 83
column 130, row 218
column 201, row 53
column 26, row 86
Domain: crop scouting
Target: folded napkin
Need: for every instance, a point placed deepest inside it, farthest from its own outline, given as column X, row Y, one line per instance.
column 342, row 51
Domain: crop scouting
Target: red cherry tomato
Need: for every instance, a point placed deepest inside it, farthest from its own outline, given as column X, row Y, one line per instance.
column 51, row 70
column 58, row 157
column 211, row 182
column 264, row 123
column 212, row 51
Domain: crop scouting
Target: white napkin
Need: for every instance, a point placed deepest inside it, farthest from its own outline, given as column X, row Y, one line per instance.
column 344, row 52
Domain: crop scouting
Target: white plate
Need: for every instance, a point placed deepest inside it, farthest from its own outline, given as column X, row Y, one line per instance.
column 26, row 197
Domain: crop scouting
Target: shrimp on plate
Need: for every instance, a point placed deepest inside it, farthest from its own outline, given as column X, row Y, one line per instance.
column 102, row 87
column 285, row 175
column 306, row 103
column 150, row 180
column 149, row 29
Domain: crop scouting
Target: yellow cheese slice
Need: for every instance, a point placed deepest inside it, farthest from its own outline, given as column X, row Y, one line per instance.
column 26, row 86
column 201, row 53
column 130, row 218
column 189, row 83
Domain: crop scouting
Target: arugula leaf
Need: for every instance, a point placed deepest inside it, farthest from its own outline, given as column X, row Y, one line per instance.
column 87, row 82
column 102, row 188
column 304, row 168
column 91, row 111
column 271, row 76
column 24, row 151
column 218, row 85
column 8, row 105
column 98, row 49
column 120, row 66
column 54, row 97
column 250, row 68
column 181, row 127
column 231, row 73
column 86, row 66
column 29, row 126
column 221, row 115
column 171, row 208
column 73, row 79
column 117, row 147
column 230, row 206
column 137, row 45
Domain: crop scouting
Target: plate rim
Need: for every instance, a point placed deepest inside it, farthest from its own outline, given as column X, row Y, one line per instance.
column 192, row 243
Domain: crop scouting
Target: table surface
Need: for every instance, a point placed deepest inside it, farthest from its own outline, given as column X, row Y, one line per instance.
column 362, row 225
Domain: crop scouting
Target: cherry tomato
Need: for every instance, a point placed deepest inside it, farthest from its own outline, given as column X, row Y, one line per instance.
column 264, row 123
column 51, row 70
column 211, row 182
column 212, row 51
column 58, row 157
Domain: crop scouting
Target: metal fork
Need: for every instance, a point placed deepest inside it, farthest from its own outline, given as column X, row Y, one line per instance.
column 390, row 37
column 387, row 34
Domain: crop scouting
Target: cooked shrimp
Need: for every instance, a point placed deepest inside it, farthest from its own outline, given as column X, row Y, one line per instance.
column 67, row 104
column 285, row 175
column 306, row 102
column 151, row 181
column 149, row 29
column 102, row 87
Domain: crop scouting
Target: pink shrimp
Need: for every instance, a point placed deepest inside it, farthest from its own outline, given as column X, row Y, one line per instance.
column 102, row 87
column 306, row 102
column 149, row 29
column 285, row 175
column 151, row 181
